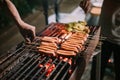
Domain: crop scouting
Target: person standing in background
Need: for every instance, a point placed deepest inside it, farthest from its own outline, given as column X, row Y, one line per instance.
column 110, row 29
column 26, row 30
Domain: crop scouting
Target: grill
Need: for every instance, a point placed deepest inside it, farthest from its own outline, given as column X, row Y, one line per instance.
column 25, row 63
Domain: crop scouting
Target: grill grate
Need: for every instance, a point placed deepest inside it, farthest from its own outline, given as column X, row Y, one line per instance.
column 27, row 64
column 30, row 68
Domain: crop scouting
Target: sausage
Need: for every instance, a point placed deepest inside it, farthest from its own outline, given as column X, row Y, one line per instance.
column 47, row 47
column 75, row 41
column 79, row 34
column 65, row 53
column 70, row 48
column 68, row 35
column 79, row 47
column 47, row 51
column 53, row 31
column 48, row 30
column 79, row 38
column 71, row 44
column 50, row 39
column 49, row 44
column 63, row 36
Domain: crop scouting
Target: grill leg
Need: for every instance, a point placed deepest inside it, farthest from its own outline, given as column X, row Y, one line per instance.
column 95, row 70
column 77, row 74
column 56, row 9
column 45, row 9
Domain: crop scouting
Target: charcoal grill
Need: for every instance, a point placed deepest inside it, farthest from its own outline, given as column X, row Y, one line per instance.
column 26, row 64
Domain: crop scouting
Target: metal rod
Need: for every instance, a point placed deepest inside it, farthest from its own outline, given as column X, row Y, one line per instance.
column 67, row 72
column 20, row 70
column 38, row 72
column 48, row 78
column 8, row 57
column 13, row 70
column 40, row 78
column 32, row 70
column 9, row 63
column 98, row 65
column 55, row 78
column 29, row 66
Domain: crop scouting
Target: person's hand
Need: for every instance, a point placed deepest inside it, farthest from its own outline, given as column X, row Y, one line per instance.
column 85, row 5
column 28, row 32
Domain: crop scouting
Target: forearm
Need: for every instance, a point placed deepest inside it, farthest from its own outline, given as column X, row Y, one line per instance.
column 26, row 30
column 85, row 5
column 13, row 12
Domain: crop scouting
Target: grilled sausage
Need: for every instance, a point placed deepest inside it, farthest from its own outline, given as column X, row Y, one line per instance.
column 79, row 47
column 68, row 35
column 75, row 41
column 51, row 39
column 70, row 48
column 47, row 47
column 65, row 53
column 47, row 51
column 63, row 36
column 49, row 44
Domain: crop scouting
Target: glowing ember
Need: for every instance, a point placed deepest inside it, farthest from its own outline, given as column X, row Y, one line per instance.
column 48, row 68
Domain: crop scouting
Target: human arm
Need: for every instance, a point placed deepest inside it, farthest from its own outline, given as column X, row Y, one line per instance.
column 85, row 5
column 26, row 30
